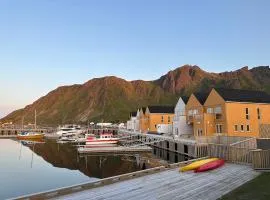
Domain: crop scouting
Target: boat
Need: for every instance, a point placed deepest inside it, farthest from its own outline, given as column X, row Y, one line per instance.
column 30, row 136
column 27, row 135
column 210, row 166
column 104, row 140
column 69, row 130
column 197, row 164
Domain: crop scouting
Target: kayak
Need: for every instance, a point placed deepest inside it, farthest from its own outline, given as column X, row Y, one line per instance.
column 197, row 164
column 210, row 166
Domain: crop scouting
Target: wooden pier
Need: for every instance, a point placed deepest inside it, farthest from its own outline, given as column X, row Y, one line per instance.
column 164, row 183
column 114, row 150
column 171, row 184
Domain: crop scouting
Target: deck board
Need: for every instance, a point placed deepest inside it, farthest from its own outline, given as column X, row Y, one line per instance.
column 171, row 184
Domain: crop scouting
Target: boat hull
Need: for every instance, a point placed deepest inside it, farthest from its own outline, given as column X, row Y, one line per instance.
column 101, row 143
column 30, row 137
column 197, row 164
column 210, row 166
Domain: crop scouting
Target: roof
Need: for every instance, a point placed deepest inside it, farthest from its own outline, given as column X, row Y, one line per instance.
column 133, row 114
column 161, row 109
column 243, row 95
column 143, row 109
column 201, row 97
column 185, row 99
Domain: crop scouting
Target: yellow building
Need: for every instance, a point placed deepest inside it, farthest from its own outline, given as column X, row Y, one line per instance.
column 235, row 112
column 158, row 115
column 195, row 111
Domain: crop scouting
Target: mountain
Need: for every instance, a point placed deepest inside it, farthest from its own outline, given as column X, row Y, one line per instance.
column 111, row 98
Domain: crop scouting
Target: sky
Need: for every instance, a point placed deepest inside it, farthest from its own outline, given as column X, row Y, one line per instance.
column 48, row 43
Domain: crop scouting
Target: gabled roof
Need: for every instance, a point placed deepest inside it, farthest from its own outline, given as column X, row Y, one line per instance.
column 237, row 95
column 143, row 109
column 185, row 99
column 201, row 97
column 133, row 114
column 161, row 109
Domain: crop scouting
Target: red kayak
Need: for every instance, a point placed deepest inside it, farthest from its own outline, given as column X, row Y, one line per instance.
column 210, row 166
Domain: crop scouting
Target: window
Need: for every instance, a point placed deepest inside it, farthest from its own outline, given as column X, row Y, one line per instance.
column 248, row 128
column 219, row 128
column 169, row 119
column 247, row 113
column 199, row 132
column 218, row 110
column 218, row 116
column 210, row 110
column 162, row 118
column 242, row 127
column 155, row 126
column 235, row 127
column 258, row 113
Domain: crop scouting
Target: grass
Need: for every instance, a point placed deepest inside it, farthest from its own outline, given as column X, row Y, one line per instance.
column 258, row 188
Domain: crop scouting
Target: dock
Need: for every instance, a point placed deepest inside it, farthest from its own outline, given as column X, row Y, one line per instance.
column 162, row 183
column 116, row 150
column 170, row 184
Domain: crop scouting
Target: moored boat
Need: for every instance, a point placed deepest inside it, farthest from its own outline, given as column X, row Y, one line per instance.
column 30, row 136
column 210, row 166
column 104, row 140
column 197, row 164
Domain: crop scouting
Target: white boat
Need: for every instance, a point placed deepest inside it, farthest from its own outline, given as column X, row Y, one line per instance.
column 104, row 140
column 69, row 130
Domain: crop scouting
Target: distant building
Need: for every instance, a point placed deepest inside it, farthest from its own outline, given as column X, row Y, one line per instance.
column 180, row 127
column 131, row 123
column 157, row 115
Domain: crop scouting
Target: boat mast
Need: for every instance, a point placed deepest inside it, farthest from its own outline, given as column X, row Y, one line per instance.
column 35, row 119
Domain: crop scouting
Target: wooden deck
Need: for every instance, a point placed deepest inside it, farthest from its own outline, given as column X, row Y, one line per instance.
column 170, row 184
column 118, row 149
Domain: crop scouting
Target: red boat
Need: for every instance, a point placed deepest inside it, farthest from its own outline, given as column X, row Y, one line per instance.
column 104, row 140
column 210, row 166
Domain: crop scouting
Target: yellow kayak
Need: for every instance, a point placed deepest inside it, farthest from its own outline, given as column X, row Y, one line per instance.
column 196, row 164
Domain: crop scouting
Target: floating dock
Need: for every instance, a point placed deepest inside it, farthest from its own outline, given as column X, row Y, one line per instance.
column 116, row 150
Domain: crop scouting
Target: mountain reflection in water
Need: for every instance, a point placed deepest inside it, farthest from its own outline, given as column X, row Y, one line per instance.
column 65, row 156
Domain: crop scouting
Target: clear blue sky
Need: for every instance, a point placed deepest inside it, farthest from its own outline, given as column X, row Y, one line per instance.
column 44, row 44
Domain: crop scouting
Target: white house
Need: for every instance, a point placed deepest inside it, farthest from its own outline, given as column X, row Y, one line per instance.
column 131, row 124
column 180, row 126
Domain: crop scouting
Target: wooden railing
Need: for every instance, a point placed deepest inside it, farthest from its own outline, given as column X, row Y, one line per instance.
column 261, row 159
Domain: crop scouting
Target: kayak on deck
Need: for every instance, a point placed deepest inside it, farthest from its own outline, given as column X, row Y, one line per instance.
column 197, row 164
column 210, row 166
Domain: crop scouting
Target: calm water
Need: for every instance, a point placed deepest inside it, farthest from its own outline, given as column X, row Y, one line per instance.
column 31, row 168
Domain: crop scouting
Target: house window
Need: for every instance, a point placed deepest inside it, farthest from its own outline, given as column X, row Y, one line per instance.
column 236, row 128
column 210, row 110
column 219, row 128
column 218, row 116
column 248, row 128
column 169, row 119
column 162, row 118
column 258, row 113
column 247, row 113
column 242, row 128
column 155, row 126
column 217, row 110
column 199, row 132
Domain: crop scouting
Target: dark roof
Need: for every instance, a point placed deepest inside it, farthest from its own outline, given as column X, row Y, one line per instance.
column 185, row 99
column 161, row 109
column 201, row 97
column 133, row 114
column 243, row 95
column 143, row 109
